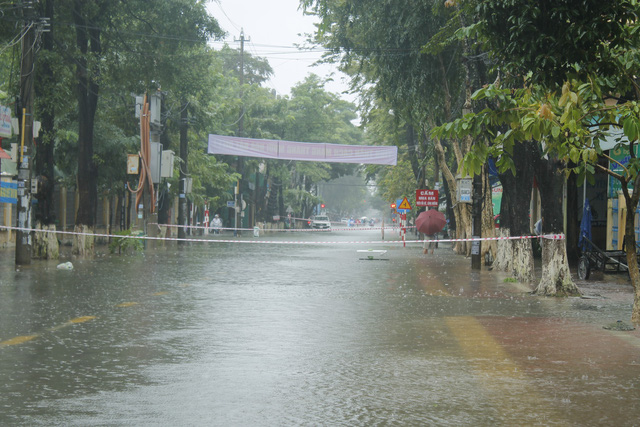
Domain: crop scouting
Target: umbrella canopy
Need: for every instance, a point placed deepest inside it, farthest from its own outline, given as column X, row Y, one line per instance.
column 430, row 222
column 585, row 227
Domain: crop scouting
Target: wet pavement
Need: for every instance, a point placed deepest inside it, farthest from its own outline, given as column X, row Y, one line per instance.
column 281, row 334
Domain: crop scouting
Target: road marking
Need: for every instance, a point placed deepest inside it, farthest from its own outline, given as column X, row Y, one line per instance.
column 82, row 319
column 499, row 375
column 127, row 304
column 17, row 340
column 160, row 293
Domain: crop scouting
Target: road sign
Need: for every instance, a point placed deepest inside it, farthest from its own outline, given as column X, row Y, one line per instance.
column 400, row 209
column 231, row 204
column 427, row 198
column 404, row 205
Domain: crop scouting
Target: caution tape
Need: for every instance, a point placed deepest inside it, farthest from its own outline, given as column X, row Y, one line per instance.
column 282, row 242
column 277, row 230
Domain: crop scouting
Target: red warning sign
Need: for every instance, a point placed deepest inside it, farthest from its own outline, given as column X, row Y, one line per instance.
column 427, row 198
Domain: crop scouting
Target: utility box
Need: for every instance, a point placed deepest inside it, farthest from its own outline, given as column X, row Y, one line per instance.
column 139, row 102
column 167, row 164
column 188, row 185
column 155, row 108
column 155, row 162
column 133, row 162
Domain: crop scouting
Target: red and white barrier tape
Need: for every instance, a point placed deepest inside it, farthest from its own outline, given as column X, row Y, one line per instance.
column 277, row 242
column 276, row 230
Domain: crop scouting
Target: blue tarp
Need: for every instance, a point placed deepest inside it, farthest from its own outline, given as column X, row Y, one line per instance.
column 585, row 227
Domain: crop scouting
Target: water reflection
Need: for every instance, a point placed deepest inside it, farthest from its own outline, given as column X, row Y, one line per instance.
column 256, row 334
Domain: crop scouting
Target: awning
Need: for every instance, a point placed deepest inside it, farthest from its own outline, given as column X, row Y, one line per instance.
column 4, row 155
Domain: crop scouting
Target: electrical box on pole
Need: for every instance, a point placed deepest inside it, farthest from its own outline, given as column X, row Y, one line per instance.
column 155, row 108
column 155, row 162
column 166, row 168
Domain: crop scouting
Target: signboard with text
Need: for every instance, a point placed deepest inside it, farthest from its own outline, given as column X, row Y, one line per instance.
column 620, row 154
column 464, row 190
column 427, row 198
column 5, row 122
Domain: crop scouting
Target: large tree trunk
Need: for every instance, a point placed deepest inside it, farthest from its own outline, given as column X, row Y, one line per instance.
column 44, row 154
column 462, row 211
column 573, row 225
column 87, row 88
column 631, row 247
column 556, row 277
column 46, row 243
column 514, row 220
column 632, row 262
column 83, row 241
column 488, row 248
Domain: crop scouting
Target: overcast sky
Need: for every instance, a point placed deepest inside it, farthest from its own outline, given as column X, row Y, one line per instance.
column 274, row 28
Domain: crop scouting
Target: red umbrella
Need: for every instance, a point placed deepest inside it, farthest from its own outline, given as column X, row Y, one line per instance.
column 430, row 222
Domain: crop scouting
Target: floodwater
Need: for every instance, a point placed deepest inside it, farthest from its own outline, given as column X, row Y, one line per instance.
column 236, row 334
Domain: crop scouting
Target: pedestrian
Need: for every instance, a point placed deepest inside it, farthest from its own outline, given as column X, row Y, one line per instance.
column 429, row 243
column 216, row 224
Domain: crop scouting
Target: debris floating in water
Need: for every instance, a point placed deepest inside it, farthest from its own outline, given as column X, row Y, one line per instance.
column 619, row 326
column 65, row 266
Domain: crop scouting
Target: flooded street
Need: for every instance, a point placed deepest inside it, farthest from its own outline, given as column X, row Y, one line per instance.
column 282, row 334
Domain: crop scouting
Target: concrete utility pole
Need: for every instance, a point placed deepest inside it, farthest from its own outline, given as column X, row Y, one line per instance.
column 24, row 111
column 184, row 153
column 238, row 194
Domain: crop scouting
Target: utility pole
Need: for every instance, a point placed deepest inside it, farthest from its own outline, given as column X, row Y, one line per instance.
column 24, row 112
column 238, row 193
column 476, row 214
column 184, row 152
column 241, row 121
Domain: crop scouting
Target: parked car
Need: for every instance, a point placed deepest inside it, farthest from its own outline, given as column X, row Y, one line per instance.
column 320, row 222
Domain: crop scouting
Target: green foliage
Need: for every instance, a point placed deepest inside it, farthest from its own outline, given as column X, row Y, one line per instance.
column 548, row 39
column 123, row 244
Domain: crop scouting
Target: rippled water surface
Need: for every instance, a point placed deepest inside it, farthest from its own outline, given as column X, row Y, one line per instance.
column 270, row 334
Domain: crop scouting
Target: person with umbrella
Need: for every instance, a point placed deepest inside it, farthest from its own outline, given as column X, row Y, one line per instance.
column 429, row 243
column 430, row 223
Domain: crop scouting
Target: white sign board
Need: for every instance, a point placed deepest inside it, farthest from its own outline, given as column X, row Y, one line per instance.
column 464, row 190
column 5, row 122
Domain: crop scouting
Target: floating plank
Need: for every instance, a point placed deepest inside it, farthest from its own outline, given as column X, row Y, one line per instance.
column 372, row 253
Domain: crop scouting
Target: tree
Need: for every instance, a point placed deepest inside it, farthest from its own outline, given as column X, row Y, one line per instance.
column 105, row 45
column 395, row 51
column 574, row 56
